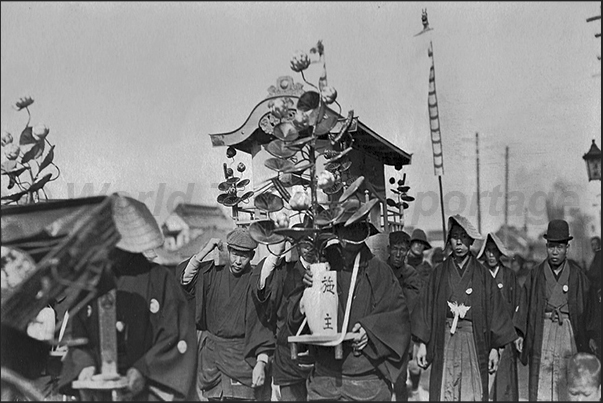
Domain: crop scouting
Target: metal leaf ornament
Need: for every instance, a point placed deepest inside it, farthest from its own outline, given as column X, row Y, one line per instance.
column 278, row 164
column 279, row 149
column 268, row 202
column 401, row 192
column 263, row 232
column 232, row 184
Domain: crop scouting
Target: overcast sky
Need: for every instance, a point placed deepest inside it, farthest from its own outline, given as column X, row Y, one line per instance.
column 131, row 91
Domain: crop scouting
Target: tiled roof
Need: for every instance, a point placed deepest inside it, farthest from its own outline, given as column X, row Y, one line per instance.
column 203, row 216
column 172, row 258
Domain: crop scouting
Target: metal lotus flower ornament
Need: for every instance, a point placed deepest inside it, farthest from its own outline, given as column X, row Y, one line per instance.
column 28, row 165
column 305, row 131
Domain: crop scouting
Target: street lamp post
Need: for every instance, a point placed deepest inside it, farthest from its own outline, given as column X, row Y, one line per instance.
column 593, row 162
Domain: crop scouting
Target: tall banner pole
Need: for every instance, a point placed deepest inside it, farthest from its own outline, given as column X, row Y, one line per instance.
column 434, row 122
column 436, row 138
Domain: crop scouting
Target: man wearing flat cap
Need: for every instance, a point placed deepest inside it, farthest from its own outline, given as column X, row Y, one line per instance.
column 504, row 382
column 379, row 320
column 552, row 316
column 460, row 321
column 235, row 344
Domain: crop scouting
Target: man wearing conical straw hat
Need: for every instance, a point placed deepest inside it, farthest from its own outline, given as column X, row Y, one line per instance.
column 378, row 318
column 235, row 344
column 155, row 331
column 503, row 383
column 460, row 321
column 552, row 316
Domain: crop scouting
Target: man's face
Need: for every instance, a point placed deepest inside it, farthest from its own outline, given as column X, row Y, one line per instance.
column 239, row 259
column 556, row 252
column 352, row 237
column 417, row 248
column 397, row 253
column 459, row 242
column 492, row 255
column 580, row 391
column 595, row 244
column 307, row 251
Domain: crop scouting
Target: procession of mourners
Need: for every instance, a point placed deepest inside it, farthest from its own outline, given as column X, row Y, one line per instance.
column 227, row 325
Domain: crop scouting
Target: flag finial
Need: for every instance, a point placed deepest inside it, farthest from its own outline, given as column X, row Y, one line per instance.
column 425, row 22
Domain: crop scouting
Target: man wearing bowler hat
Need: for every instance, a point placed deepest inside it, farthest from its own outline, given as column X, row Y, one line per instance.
column 235, row 344
column 460, row 321
column 551, row 317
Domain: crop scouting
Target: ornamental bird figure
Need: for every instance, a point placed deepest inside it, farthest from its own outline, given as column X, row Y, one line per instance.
column 425, row 22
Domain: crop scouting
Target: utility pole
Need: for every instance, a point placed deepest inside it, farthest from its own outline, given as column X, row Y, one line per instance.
column 597, row 35
column 506, row 195
column 479, row 209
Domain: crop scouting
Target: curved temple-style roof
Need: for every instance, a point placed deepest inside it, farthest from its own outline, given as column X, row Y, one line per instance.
column 260, row 124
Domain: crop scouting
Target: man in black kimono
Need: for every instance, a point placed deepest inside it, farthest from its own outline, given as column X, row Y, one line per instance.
column 379, row 320
column 398, row 248
column 416, row 256
column 593, row 321
column 155, row 330
column 505, row 382
column 235, row 344
column 460, row 321
column 278, row 281
column 552, row 317
column 418, row 245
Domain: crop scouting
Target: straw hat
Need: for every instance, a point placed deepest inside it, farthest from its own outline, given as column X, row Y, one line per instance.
column 499, row 244
column 464, row 223
column 138, row 228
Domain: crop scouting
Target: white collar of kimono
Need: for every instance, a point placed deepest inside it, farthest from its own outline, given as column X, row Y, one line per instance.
column 494, row 272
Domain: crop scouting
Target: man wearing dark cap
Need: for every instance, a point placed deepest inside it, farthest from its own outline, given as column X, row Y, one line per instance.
column 415, row 258
column 504, row 382
column 552, row 316
column 235, row 345
column 379, row 320
column 460, row 321
column 399, row 245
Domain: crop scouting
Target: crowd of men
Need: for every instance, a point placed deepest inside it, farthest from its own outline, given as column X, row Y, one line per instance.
column 219, row 330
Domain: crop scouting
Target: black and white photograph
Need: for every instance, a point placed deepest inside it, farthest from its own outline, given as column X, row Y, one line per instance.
column 294, row 201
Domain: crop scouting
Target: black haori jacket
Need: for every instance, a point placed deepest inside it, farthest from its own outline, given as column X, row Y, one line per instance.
column 492, row 324
column 529, row 318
